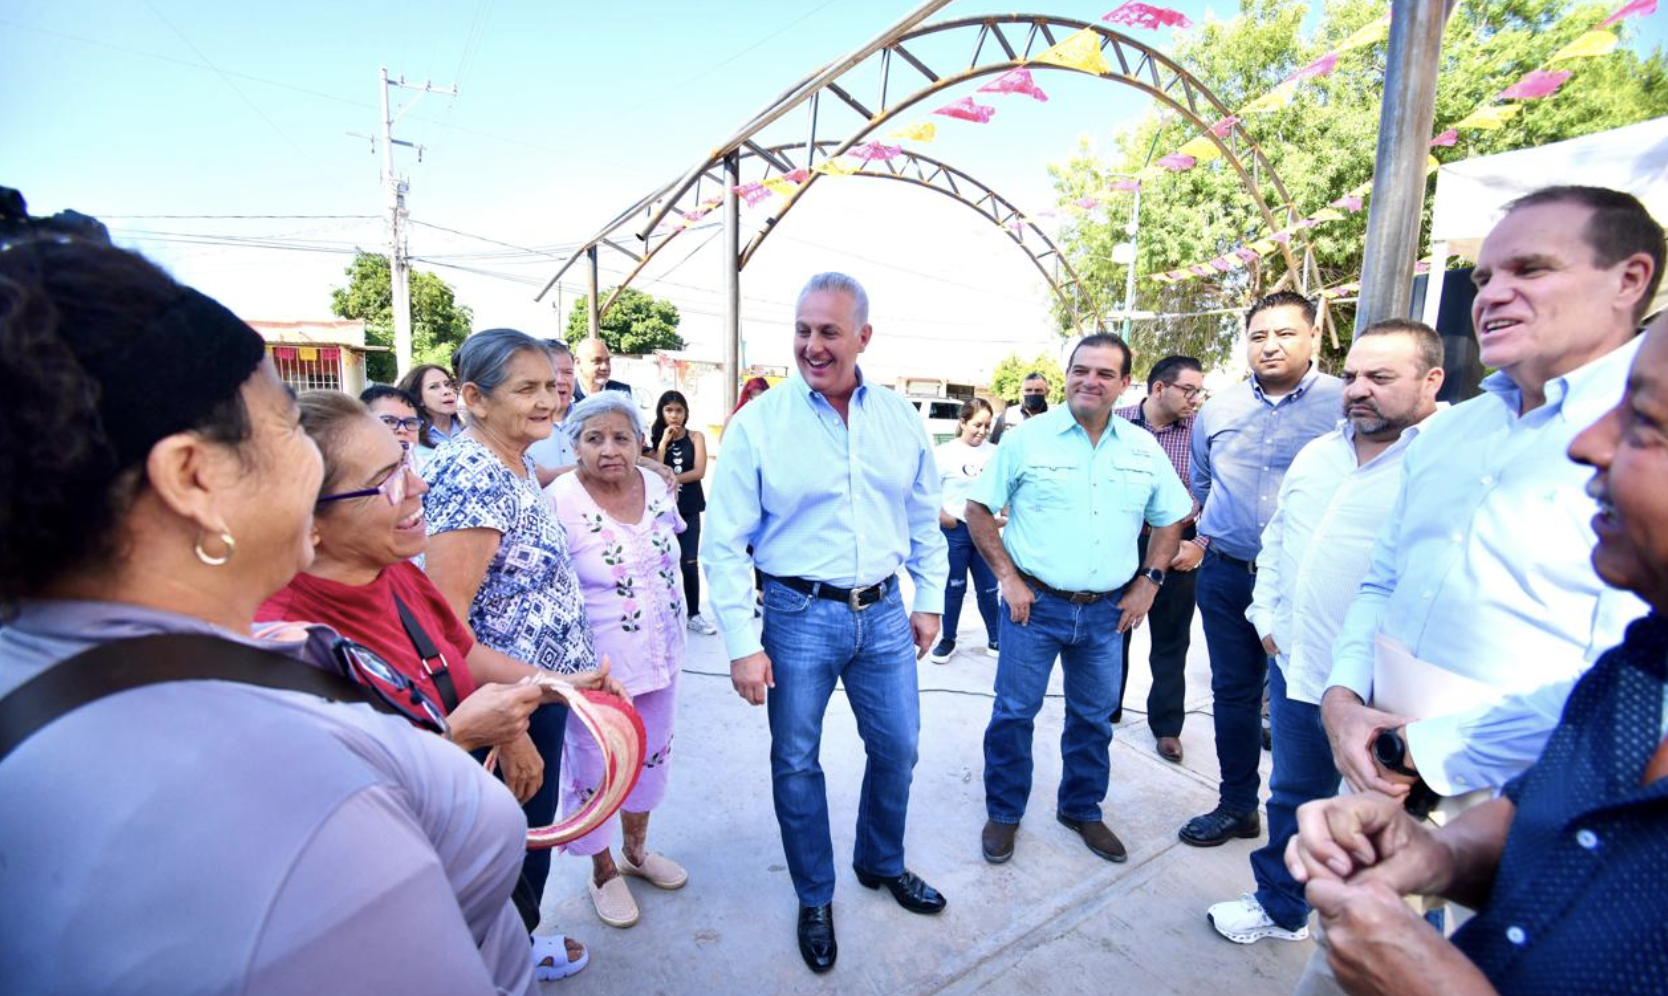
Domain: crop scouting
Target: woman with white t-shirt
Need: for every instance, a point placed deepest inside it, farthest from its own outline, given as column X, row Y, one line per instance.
column 960, row 461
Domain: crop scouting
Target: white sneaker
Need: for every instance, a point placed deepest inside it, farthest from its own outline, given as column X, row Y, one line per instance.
column 1244, row 922
column 698, row 624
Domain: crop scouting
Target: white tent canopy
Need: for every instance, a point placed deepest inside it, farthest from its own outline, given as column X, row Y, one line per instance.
column 1472, row 194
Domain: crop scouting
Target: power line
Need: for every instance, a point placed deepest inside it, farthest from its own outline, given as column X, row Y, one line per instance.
column 238, row 217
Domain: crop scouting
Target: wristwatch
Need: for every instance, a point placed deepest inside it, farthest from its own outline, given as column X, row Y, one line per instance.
column 1390, row 750
column 1152, row 574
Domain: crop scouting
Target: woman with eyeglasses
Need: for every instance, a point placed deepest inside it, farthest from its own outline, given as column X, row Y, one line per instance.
column 436, row 394
column 367, row 527
column 496, row 550
column 211, row 836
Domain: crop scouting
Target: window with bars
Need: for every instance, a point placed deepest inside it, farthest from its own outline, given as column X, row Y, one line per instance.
column 308, row 368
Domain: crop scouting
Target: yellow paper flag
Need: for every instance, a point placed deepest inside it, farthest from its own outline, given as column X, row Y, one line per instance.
column 1325, row 215
column 1273, row 100
column 836, row 167
column 1491, row 118
column 1081, row 52
column 779, row 185
column 307, row 354
column 1432, row 164
column 1589, row 45
column 1202, row 149
column 924, row 132
column 1366, row 35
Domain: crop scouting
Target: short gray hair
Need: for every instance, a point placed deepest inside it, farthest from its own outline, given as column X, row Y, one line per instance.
column 602, row 403
column 558, row 347
column 838, row 283
column 484, row 357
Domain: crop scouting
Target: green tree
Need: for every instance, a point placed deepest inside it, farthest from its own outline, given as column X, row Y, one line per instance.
column 439, row 324
column 1321, row 145
column 638, row 323
column 1005, row 380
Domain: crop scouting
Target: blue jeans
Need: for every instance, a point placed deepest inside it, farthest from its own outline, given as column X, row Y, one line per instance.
column 964, row 557
column 1090, row 648
column 1238, row 664
column 546, row 727
column 1303, row 772
column 812, row 643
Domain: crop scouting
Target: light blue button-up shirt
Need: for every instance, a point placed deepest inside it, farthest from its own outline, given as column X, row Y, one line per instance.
column 1483, row 569
column 1075, row 510
column 1317, row 547
column 1242, row 444
column 821, row 499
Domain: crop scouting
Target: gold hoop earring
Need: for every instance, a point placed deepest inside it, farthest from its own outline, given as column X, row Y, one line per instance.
column 226, row 539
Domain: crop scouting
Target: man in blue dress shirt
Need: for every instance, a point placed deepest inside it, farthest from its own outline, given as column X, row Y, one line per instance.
column 1566, row 866
column 1243, row 441
column 832, row 482
column 1078, row 483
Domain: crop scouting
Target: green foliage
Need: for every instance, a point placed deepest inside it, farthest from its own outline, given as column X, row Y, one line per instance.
column 1321, row 146
column 638, row 323
column 1010, row 372
column 439, row 324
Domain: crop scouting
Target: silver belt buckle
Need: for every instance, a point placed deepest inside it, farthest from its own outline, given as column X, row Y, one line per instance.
column 852, row 599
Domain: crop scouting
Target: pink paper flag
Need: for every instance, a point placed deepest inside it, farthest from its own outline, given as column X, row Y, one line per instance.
column 1199, row 270
column 1176, row 162
column 1322, row 66
column 1176, row 274
column 1221, row 128
column 1015, row 81
column 1246, row 255
column 797, row 176
column 1423, row 266
column 1221, row 264
column 1348, row 202
column 1281, row 237
column 1636, row 8
column 966, row 110
column 1537, row 84
column 874, row 150
column 1305, row 225
column 1447, row 139
column 752, row 194
column 1141, row 15
column 1127, row 184
column 1086, row 203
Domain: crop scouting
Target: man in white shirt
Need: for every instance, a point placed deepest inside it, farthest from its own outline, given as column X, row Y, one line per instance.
column 1314, row 551
column 1481, row 608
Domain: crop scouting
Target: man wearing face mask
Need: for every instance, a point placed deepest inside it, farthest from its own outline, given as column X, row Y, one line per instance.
column 1243, row 441
column 1316, row 548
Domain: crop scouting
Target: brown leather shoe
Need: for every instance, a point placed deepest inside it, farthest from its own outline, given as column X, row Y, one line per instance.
column 997, row 840
column 1170, row 749
column 1098, row 837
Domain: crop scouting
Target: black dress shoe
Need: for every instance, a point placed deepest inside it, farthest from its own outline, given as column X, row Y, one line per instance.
column 816, row 937
column 1219, row 826
column 911, row 893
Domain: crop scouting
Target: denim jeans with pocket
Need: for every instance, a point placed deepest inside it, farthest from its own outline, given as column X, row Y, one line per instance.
column 965, row 559
column 813, row 642
column 1086, row 640
column 1303, row 772
column 1238, row 668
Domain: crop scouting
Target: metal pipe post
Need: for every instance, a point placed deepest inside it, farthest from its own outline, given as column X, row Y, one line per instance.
column 594, row 316
column 1404, row 131
column 1129, row 282
column 732, row 281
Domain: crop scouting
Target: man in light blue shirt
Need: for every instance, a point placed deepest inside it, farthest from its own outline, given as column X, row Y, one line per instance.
column 1078, row 483
column 1333, row 499
column 1482, row 569
column 1243, row 440
column 832, row 482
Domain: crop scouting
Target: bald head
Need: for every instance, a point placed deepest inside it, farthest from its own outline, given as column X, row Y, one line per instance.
column 595, row 364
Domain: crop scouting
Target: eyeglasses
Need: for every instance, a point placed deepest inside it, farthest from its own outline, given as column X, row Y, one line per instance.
column 365, row 668
column 408, row 424
column 392, row 488
column 1190, row 393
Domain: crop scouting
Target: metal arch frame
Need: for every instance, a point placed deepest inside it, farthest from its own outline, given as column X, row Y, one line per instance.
column 942, row 178
column 1151, row 72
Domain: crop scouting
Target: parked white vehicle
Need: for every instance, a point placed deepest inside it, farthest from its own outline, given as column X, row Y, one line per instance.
column 941, row 416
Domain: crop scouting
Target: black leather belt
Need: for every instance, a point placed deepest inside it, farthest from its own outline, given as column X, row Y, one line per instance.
column 1244, row 565
column 1074, row 597
column 856, row 599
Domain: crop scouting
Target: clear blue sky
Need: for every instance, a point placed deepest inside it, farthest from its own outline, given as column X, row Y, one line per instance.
column 568, row 112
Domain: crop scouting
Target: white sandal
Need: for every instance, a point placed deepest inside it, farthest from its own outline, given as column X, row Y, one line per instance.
column 550, row 958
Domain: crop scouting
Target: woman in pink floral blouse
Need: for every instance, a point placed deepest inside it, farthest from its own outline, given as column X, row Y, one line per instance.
column 622, row 526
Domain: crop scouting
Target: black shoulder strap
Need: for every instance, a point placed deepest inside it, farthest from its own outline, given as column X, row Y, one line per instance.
column 427, row 652
column 148, row 660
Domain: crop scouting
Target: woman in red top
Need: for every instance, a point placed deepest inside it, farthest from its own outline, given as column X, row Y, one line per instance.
column 367, row 526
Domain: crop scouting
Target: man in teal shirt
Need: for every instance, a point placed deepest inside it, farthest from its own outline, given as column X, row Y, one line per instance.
column 1078, row 483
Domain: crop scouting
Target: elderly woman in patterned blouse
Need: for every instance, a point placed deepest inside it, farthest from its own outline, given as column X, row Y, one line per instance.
column 622, row 523
column 496, row 551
